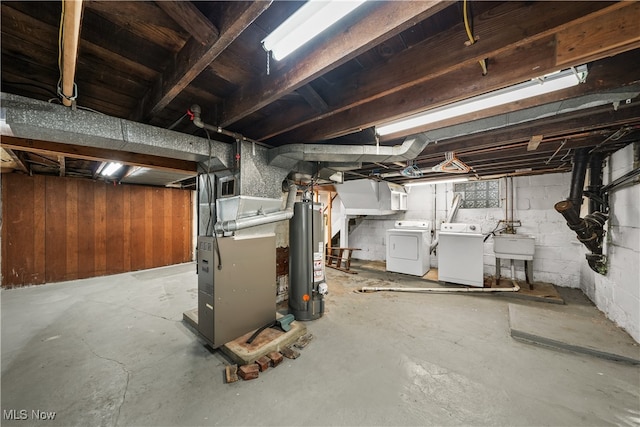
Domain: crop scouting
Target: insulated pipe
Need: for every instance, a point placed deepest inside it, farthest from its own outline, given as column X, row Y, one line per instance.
column 580, row 161
column 253, row 221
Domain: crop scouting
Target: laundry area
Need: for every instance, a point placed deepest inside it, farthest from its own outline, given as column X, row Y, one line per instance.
column 279, row 213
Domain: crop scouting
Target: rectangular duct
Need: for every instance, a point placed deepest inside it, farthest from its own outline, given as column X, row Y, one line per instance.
column 369, row 197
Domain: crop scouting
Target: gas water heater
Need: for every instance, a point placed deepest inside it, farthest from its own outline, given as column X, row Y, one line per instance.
column 307, row 286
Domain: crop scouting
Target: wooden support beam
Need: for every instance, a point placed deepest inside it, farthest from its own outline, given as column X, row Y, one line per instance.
column 190, row 19
column 98, row 154
column 534, row 142
column 507, row 69
column 447, row 53
column 63, row 165
column 313, row 98
column 72, row 16
column 194, row 57
column 369, row 27
column 20, row 164
column 600, row 36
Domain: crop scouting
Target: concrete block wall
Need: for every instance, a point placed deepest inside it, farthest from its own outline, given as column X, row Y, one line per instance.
column 617, row 293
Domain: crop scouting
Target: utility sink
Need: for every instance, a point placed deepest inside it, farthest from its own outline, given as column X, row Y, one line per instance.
column 513, row 246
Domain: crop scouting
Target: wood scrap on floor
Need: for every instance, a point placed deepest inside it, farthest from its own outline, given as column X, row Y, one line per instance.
column 290, row 353
column 303, row 341
column 231, row 373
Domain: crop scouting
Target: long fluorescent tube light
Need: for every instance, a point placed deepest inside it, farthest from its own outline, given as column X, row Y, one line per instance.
column 306, row 23
column 111, row 168
column 535, row 87
column 440, row 181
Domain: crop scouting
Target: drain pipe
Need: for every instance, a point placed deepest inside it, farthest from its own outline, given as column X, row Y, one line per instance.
column 594, row 190
column 366, row 289
column 590, row 229
column 580, row 162
column 260, row 219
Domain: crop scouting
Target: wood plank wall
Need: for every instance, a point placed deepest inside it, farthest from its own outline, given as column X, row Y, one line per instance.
column 56, row 229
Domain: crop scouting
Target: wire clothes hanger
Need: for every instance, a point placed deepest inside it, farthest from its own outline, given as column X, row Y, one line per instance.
column 451, row 164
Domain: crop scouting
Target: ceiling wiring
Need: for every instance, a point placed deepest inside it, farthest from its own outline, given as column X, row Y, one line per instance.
column 472, row 40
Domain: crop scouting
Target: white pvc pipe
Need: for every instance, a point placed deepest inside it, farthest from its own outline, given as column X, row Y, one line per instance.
column 515, row 288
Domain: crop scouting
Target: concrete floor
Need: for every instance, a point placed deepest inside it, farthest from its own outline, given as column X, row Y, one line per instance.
column 114, row 351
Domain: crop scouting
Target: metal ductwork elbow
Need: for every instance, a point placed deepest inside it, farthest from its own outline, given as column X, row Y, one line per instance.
column 254, row 221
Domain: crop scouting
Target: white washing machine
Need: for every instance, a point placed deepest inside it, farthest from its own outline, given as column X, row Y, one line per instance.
column 460, row 254
column 408, row 247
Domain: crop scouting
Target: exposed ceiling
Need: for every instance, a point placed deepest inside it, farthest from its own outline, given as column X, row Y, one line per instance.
column 150, row 61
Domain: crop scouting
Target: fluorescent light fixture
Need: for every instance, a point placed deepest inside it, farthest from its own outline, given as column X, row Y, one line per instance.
column 440, row 181
column 535, row 87
column 306, row 23
column 111, row 168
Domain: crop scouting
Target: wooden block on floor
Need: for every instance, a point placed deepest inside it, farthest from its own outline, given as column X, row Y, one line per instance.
column 248, row 372
column 540, row 291
column 275, row 357
column 263, row 363
column 231, row 373
column 269, row 340
column 303, row 341
column 290, row 353
column 190, row 317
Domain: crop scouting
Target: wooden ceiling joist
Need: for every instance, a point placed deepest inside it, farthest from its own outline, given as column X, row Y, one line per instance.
column 17, row 159
column 194, row 57
column 511, row 68
column 446, row 53
column 384, row 21
column 97, row 154
column 313, row 98
column 190, row 19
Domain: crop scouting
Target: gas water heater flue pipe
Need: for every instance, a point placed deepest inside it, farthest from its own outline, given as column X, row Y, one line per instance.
column 254, row 221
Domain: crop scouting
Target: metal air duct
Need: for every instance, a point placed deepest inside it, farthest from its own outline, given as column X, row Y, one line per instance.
column 260, row 219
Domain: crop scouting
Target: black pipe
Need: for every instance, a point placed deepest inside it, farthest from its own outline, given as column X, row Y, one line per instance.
column 595, row 183
column 588, row 229
column 580, row 161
